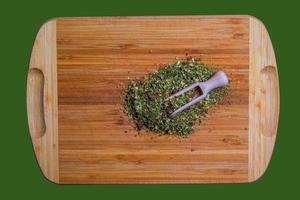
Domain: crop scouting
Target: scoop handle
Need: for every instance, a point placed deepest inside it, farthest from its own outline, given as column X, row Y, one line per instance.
column 219, row 79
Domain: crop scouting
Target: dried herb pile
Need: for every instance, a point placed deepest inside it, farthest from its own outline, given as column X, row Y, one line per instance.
column 145, row 99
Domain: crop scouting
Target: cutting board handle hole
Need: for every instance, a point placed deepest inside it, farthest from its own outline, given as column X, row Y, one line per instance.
column 270, row 100
column 35, row 109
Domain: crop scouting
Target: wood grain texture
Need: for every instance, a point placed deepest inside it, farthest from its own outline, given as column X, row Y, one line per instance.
column 42, row 100
column 96, row 55
column 263, row 98
column 80, row 135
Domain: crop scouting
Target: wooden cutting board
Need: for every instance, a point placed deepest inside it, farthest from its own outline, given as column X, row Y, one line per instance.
column 80, row 135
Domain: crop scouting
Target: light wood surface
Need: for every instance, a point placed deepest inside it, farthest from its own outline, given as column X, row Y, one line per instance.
column 263, row 98
column 97, row 143
column 42, row 100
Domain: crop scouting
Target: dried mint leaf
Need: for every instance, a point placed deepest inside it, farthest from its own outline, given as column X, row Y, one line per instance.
column 145, row 99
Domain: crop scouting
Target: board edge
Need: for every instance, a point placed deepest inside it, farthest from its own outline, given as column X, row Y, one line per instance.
column 263, row 99
column 44, row 59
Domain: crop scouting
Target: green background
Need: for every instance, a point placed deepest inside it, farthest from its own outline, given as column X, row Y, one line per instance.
column 20, row 174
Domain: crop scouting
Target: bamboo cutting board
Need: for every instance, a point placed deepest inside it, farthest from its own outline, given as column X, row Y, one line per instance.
column 79, row 134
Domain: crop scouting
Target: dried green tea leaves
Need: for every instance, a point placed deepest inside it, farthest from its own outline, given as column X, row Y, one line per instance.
column 145, row 99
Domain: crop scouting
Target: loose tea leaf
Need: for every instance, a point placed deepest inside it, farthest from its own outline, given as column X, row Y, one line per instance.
column 145, row 99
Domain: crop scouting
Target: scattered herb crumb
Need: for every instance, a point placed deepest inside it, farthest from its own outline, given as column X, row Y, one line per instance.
column 145, row 99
